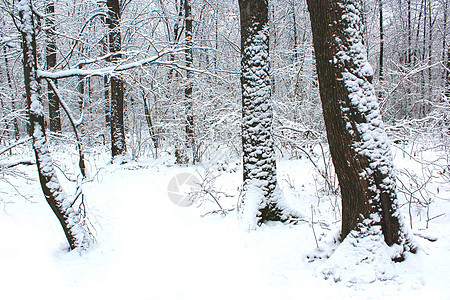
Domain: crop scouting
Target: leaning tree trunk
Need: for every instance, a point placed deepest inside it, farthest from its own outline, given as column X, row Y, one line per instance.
column 53, row 104
column 71, row 220
column 261, row 199
column 118, row 146
column 358, row 143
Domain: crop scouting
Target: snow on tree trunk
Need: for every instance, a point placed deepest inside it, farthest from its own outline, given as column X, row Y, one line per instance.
column 261, row 198
column 71, row 220
column 118, row 146
column 190, row 141
column 358, row 142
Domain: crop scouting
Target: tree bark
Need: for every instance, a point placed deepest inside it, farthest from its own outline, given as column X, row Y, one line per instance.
column 261, row 199
column 380, row 7
column 118, row 145
column 294, row 21
column 71, row 220
column 190, row 141
column 53, row 104
column 359, row 146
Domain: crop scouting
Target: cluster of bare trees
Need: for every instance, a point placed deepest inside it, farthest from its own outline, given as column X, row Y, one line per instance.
column 152, row 76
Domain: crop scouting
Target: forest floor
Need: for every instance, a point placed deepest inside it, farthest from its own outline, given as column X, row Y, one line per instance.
column 149, row 248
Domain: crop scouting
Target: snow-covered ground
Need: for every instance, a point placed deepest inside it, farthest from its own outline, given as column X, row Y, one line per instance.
column 149, row 248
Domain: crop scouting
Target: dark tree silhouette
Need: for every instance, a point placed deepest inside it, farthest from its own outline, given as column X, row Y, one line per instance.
column 53, row 104
column 118, row 145
column 358, row 143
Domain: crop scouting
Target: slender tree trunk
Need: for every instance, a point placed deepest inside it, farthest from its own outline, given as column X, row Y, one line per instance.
column 53, row 104
column 216, row 44
column 190, row 141
column 107, row 88
column 118, row 146
column 177, row 31
column 358, row 143
column 70, row 219
column 380, row 7
column 447, row 82
column 294, row 21
column 444, row 32
column 3, row 131
column 261, row 199
column 409, row 59
column 151, row 128
column 424, row 50
column 106, row 85
column 10, row 85
column 416, row 49
column 446, row 46
column 426, row 104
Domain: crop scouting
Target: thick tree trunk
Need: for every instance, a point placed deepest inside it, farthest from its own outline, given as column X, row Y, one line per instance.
column 118, row 146
column 261, row 199
column 358, row 143
column 70, row 219
column 53, row 104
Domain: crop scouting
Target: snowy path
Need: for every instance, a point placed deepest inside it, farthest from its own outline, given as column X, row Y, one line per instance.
column 148, row 248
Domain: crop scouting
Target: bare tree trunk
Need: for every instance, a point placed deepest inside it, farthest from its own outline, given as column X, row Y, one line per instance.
column 71, row 220
column 10, row 85
column 358, row 143
column 190, row 141
column 261, row 199
column 177, row 31
column 294, row 21
column 107, row 88
column 53, row 109
column 408, row 59
column 118, row 145
column 380, row 7
column 447, row 82
column 426, row 105
column 216, row 44
column 151, row 128
column 106, row 85
column 424, row 50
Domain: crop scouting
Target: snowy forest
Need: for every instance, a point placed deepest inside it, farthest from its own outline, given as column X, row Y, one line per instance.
column 235, row 149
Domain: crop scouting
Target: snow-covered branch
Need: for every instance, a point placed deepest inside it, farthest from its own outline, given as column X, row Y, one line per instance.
column 102, row 71
column 15, row 144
